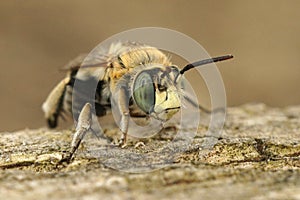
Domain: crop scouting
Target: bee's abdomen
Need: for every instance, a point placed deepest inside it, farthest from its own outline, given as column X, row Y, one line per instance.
column 53, row 105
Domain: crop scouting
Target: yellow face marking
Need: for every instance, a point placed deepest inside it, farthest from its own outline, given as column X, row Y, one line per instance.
column 167, row 103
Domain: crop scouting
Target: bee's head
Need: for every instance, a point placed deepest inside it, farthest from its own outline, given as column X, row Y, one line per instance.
column 156, row 93
column 156, row 89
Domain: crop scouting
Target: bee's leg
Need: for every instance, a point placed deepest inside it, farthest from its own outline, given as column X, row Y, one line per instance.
column 83, row 126
column 124, row 110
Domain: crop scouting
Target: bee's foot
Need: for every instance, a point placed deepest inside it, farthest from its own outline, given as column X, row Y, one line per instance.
column 66, row 158
column 139, row 144
column 122, row 143
column 123, row 140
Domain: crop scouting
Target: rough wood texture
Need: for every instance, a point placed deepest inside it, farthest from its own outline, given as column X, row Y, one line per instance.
column 257, row 157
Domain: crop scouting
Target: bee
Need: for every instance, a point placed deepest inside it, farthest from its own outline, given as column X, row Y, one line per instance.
column 147, row 83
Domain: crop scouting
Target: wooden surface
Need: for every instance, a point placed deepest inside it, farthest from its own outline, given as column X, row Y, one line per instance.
column 257, row 157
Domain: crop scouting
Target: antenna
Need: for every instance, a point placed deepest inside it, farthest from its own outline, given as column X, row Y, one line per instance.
column 204, row 62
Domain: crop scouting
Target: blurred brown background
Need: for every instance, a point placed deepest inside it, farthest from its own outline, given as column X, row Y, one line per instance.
column 38, row 37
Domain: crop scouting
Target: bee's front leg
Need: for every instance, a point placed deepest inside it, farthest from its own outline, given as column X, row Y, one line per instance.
column 124, row 110
column 83, row 126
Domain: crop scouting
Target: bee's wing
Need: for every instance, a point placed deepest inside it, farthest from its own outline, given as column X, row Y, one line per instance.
column 75, row 63
column 85, row 61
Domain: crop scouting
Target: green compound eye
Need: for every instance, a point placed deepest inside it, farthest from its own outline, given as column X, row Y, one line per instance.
column 143, row 92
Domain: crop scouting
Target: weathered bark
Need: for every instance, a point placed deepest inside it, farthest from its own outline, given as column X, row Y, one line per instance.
column 257, row 157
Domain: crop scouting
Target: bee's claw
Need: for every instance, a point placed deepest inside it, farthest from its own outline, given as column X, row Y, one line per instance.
column 122, row 143
column 139, row 144
column 123, row 140
column 66, row 158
